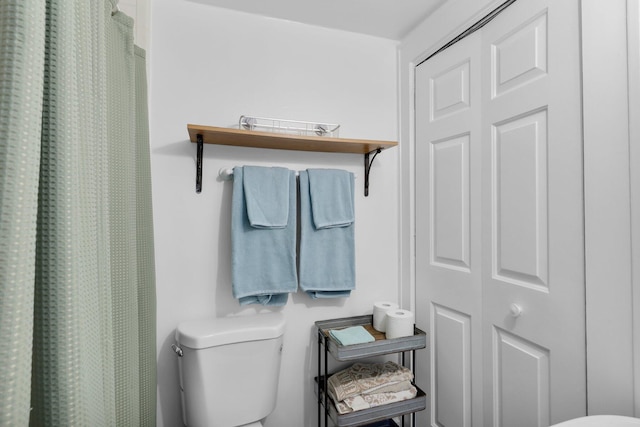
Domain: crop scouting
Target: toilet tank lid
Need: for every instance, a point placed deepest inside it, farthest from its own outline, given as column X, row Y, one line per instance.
column 207, row 333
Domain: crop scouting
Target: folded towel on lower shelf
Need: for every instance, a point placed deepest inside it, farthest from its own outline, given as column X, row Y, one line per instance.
column 367, row 385
column 368, row 378
column 365, row 401
column 352, row 335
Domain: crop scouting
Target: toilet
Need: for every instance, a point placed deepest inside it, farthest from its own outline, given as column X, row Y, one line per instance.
column 229, row 369
column 601, row 421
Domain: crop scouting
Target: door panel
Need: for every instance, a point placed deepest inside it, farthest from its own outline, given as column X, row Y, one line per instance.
column 520, row 55
column 519, row 194
column 449, row 213
column 448, row 227
column 533, row 237
column 452, row 366
column 521, row 378
column 450, row 91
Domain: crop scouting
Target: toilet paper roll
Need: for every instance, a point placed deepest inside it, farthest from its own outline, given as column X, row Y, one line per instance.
column 399, row 323
column 379, row 314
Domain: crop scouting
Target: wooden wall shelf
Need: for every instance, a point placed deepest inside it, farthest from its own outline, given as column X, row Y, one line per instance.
column 246, row 138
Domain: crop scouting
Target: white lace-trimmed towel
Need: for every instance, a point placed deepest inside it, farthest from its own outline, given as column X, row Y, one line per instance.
column 365, row 401
column 369, row 378
column 366, row 385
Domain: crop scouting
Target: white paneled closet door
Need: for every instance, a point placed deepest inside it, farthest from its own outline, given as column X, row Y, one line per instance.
column 499, row 222
column 448, row 228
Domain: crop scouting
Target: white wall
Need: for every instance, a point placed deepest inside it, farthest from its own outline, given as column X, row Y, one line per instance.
column 209, row 66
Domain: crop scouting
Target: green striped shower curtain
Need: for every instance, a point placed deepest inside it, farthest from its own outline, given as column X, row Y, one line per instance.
column 77, row 283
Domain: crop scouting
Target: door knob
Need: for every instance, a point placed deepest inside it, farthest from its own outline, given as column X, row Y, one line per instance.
column 515, row 310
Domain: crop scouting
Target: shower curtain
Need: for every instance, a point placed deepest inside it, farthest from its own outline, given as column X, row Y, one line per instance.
column 77, row 284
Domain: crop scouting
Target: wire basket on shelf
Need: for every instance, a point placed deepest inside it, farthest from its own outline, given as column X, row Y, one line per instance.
column 291, row 127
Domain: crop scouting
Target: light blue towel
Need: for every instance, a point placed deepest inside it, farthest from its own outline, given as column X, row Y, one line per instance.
column 266, row 193
column 263, row 261
column 352, row 335
column 331, row 192
column 327, row 255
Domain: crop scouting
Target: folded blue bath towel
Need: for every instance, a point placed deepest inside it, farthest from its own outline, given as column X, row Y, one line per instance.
column 266, row 193
column 263, row 261
column 352, row 335
column 331, row 192
column 327, row 255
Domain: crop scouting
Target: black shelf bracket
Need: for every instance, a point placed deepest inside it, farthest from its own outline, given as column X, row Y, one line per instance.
column 200, row 143
column 367, row 168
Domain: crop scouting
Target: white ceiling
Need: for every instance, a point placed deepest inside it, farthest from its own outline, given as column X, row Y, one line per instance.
column 391, row 19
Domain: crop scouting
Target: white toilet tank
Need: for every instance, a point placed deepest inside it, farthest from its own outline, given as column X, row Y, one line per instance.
column 229, row 369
